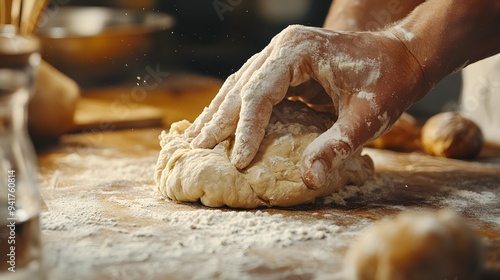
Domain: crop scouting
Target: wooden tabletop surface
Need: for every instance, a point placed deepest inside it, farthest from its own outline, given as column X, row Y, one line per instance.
column 102, row 218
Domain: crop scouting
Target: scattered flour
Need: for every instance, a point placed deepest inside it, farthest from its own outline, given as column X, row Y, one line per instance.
column 366, row 95
column 246, row 230
column 483, row 204
column 107, row 223
column 384, row 120
column 378, row 186
column 408, row 36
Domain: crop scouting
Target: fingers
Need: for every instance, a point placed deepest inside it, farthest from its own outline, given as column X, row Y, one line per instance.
column 209, row 111
column 232, row 82
column 244, row 104
column 258, row 101
column 357, row 124
column 325, row 152
column 207, row 130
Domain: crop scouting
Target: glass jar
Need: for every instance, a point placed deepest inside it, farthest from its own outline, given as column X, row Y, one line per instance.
column 20, row 246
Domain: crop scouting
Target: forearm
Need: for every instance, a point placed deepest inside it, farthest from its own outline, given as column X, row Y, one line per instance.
column 367, row 14
column 446, row 35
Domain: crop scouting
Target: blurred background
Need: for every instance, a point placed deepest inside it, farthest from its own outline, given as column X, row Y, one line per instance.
column 211, row 38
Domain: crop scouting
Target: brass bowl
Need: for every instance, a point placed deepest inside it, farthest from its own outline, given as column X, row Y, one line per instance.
column 95, row 44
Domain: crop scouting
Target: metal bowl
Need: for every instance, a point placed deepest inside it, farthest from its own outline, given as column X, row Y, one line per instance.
column 95, row 44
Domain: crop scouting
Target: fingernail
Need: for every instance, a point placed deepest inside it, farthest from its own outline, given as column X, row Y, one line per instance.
column 316, row 176
column 189, row 132
column 239, row 158
column 197, row 141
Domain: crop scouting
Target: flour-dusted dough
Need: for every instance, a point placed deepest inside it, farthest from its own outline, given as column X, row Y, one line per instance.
column 273, row 178
column 414, row 246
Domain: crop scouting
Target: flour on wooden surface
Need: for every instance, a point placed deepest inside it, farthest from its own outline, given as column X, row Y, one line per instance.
column 107, row 216
column 106, row 223
column 379, row 186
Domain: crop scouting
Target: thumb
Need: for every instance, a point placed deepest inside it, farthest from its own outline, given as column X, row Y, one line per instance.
column 327, row 152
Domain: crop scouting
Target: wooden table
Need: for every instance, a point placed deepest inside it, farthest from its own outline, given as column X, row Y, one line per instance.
column 102, row 218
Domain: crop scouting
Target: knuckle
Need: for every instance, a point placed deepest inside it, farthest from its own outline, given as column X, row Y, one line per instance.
column 294, row 29
column 294, row 33
column 232, row 78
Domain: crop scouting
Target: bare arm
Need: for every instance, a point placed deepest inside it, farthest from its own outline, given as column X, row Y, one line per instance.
column 371, row 78
column 367, row 14
column 445, row 36
column 448, row 35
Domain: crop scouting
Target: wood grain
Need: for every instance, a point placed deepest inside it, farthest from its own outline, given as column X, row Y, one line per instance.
column 417, row 182
column 414, row 181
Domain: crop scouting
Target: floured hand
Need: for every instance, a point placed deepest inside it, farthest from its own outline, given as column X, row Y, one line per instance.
column 368, row 77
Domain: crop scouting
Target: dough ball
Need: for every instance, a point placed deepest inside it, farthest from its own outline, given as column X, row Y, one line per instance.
column 273, row 178
column 52, row 108
column 403, row 136
column 416, row 245
column 451, row 135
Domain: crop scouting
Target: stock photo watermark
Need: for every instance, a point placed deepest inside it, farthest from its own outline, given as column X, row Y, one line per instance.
column 223, row 6
column 122, row 106
column 385, row 16
column 11, row 220
column 50, row 11
column 481, row 95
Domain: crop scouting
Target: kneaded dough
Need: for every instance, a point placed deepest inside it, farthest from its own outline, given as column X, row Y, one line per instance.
column 273, row 178
column 416, row 245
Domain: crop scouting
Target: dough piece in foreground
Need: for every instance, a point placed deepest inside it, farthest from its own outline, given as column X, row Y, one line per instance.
column 416, row 245
column 273, row 178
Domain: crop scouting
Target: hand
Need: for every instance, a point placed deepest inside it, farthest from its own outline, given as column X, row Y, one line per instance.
column 370, row 79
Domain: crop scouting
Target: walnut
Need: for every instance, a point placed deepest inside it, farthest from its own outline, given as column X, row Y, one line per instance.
column 451, row 135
